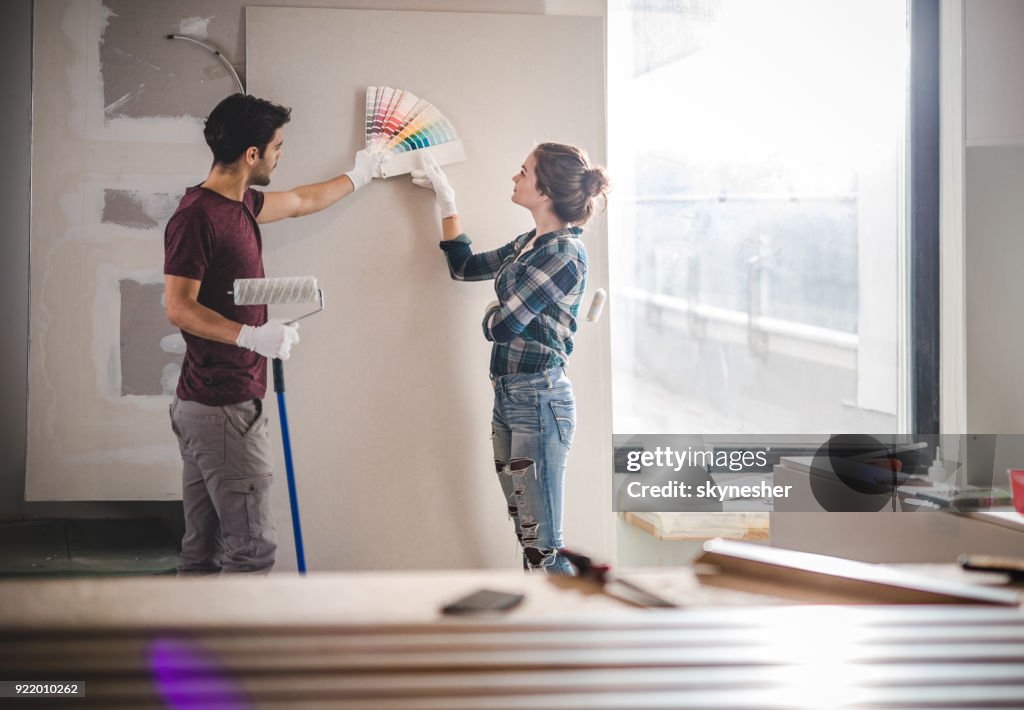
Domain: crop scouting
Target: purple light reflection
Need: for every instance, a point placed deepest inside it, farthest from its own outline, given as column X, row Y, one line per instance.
column 189, row 676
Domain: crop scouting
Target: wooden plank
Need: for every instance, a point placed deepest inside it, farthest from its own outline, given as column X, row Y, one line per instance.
column 756, row 658
column 877, row 584
column 580, row 680
column 512, row 640
column 356, row 600
column 701, row 526
column 795, row 694
column 189, row 654
column 331, row 654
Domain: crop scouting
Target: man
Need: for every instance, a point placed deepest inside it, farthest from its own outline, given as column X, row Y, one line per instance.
column 212, row 239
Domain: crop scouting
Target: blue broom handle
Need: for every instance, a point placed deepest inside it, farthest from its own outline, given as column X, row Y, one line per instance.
column 293, row 498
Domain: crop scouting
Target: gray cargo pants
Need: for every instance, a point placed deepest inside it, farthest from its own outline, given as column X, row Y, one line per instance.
column 226, row 481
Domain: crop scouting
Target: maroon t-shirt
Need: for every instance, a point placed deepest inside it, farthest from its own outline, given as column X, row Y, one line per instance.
column 215, row 240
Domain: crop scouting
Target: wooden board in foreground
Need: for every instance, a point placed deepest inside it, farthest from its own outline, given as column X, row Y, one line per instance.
column 773, row 568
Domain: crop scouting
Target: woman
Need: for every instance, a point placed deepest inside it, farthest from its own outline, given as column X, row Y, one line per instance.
column 539, row 278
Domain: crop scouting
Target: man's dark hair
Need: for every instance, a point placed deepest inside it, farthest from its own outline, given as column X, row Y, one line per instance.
column 241, row 121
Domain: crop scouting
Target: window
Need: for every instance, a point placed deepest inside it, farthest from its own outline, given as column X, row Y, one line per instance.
column 759, row 152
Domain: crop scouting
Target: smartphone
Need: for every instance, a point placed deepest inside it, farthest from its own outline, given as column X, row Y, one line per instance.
column 1013, row 566
column 483, row 600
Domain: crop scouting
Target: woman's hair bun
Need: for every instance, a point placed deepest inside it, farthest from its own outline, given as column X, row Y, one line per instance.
column 564, row 173
column 595, row 181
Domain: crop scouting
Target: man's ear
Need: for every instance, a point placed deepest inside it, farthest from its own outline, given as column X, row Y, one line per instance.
column 252, row 154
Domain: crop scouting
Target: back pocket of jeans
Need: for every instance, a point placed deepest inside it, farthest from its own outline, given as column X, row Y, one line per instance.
column 565, row 419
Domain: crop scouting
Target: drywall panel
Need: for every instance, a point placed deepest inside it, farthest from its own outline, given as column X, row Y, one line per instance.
column 388, row 392
column 101, row 350
column 994, row 215
column 993, row 63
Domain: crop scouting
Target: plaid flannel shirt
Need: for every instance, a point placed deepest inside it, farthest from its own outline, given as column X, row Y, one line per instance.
column 539, row 294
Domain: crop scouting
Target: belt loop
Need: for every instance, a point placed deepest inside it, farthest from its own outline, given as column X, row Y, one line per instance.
column 547, row 378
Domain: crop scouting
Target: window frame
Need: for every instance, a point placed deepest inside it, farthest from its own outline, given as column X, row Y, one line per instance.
column 923, row 214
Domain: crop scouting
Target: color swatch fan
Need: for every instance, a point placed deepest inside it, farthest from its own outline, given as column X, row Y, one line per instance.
column 401, row 126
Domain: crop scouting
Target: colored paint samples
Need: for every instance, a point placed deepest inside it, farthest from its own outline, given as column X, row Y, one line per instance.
column 398, row 124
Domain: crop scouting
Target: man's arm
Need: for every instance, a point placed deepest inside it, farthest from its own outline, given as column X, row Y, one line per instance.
column 313, row 198
column 184, row 311
column 304, row 200
column 272, row 339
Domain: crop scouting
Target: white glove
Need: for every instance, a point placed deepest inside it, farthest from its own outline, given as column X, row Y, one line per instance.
column 433, row 177
column 365, row 168
column 273, row 339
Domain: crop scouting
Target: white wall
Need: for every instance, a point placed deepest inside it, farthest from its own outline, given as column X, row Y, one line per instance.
column 390, row 394
column 994, row 216
column 994, row 59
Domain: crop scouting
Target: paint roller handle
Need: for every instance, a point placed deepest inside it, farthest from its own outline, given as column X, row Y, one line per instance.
column 278, row 375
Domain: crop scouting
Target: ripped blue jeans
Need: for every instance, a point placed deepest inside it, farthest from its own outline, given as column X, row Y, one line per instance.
column 533, row 424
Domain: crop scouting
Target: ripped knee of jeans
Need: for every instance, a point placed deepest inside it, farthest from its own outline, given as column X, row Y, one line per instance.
column 516, row 465
column 539, row 558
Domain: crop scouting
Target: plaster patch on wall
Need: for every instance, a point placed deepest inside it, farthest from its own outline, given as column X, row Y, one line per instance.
column 106, row 351
column 113, row 110
column 106, row 207
column 173, row 344
column 136, row 209
column 169, row 378
column 216, row 71
column 129, row 325
column 145, row 366
column 197, row 27
column 105, row 14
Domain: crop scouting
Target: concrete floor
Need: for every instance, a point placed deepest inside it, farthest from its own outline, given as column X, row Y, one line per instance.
column 76, row 548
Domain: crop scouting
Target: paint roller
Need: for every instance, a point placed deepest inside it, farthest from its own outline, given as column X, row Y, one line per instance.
column 267, row 292
column 597, row 305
